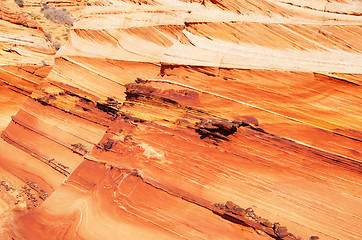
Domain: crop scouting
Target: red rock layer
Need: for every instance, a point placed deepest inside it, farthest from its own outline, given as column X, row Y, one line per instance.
column 25, row 58
column 128, row 207
column 10, row 11
column 156, row 111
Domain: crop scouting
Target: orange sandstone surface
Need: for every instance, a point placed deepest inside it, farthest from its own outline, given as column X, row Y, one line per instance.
column 182, row 119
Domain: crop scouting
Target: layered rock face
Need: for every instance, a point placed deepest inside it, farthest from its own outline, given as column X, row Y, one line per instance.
column 169, row 119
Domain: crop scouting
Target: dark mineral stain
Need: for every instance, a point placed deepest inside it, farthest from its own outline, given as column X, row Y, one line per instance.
column 128, row 117
column 280, row 231
column 314, row 238
column 216, row 128
column 109, row 144
column 107, row 109
column 79, row 147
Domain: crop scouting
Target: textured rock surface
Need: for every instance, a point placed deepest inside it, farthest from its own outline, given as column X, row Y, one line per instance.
column 11, row 12
column 156, row 110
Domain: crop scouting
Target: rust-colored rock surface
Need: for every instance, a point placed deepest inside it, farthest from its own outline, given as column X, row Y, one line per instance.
column 170, row 119
column 11, row 12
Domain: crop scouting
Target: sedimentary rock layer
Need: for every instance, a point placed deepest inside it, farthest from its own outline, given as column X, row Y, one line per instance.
column 157, row 113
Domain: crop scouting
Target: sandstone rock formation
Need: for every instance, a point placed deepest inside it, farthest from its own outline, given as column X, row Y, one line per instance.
column 167, row 119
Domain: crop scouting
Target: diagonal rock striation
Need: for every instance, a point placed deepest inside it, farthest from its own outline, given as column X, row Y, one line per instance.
column 156, row 113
